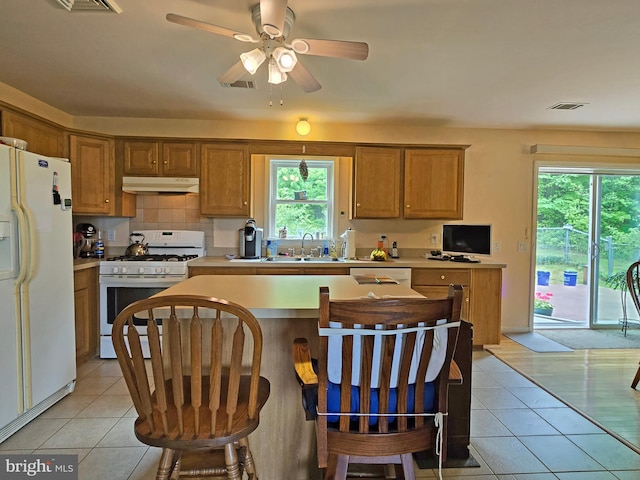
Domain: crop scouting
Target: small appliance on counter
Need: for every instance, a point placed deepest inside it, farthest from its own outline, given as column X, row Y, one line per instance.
column 250, row 239
column 88, row 232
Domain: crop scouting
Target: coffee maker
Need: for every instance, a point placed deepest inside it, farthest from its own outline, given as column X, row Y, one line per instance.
column 250, row 238
column 88, row 232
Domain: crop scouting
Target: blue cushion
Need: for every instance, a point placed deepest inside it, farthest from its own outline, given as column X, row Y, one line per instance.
column 333, row 401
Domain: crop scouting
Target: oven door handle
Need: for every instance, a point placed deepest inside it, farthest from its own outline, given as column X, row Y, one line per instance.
column 139, row 281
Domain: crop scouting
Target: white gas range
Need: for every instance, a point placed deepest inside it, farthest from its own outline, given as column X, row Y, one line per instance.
column 123, row 280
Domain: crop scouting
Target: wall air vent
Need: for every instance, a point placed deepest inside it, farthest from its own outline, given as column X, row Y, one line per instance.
column 240, row 84
column 567, row 106
column 90, row 5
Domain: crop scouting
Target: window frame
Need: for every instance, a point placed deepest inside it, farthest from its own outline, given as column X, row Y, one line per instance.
column 272, row 163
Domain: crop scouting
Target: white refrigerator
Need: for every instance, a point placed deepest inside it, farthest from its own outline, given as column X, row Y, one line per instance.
column 37, row 328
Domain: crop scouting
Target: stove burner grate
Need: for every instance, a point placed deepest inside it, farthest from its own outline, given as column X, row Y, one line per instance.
column 153, row 258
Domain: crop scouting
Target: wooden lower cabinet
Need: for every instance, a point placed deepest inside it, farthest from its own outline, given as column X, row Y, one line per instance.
column 85, row 289
column 482, row 303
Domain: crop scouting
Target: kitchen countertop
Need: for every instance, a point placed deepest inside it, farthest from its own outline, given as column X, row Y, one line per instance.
column 415, row 262
column 83, row 263
column 282, row 296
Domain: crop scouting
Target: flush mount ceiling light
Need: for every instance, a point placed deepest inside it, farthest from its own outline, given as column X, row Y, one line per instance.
column 303, row 127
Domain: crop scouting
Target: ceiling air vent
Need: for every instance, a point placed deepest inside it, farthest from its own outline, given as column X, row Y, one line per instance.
column 566, row 106
column 88, row 5
column 239, row 84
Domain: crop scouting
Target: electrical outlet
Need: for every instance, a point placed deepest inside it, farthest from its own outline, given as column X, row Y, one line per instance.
column 383, row 236
column 496, row 247
column 111, row 235
column 523, row 247
column 434, row 239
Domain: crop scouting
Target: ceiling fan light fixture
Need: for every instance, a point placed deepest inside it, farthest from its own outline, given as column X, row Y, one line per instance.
column 285, row 58
column 252, row 60
column 276, row 76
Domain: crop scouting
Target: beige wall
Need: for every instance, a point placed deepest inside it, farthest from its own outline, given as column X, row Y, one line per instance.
column 498, row 182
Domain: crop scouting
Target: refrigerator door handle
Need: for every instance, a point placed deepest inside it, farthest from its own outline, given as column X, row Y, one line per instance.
column 22, row 229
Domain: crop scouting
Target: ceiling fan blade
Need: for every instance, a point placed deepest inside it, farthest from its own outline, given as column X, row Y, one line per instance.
column 233, row 74
column 272, row 14
column 303, row 77
column 209, row 27
column 331, row 48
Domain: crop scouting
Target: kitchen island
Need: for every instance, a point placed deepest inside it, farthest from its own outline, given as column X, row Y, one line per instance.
column 286, row 307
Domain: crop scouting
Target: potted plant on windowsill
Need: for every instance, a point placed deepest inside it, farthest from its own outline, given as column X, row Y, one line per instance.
column 542, row 304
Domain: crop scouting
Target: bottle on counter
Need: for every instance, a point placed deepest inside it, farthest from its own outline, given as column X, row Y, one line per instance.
column 394, row 250
column 98, row 246
column 378, row 253
column 333, row 251
column 272, row 248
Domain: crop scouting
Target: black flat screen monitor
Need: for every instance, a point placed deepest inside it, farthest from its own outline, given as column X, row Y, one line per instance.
column 467, row 239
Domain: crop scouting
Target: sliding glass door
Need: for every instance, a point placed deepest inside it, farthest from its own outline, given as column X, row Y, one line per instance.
column 617, row 244
column 587, row 235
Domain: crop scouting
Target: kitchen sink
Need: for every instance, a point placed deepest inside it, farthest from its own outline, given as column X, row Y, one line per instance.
column 281, row 259
column 302, row 259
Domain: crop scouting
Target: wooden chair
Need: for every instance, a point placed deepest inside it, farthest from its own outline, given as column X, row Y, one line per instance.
column 382, row 377
column 633, row 283
column 208, row 393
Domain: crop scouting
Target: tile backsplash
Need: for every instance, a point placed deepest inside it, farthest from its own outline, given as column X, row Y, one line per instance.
column 171, row 212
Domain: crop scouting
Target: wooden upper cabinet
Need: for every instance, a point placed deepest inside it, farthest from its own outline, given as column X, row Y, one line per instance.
column 433, row 183
column 179, row 159
column 92, row 175
column 42, row 137
column 141, row 158
column 168, row 159
column 376, row 182
column 225, row 181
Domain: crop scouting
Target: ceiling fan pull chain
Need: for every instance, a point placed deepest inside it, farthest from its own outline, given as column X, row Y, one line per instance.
column 281, row 96
column 270, row 95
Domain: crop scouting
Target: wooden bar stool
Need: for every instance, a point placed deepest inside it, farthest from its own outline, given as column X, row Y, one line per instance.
column 200, row 395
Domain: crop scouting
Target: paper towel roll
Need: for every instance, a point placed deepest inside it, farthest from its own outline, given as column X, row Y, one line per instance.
column 349, row 240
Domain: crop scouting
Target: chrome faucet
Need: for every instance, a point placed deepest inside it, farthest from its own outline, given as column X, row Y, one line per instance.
column 303, row 237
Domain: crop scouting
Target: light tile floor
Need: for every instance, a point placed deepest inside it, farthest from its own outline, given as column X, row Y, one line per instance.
column 518, row 432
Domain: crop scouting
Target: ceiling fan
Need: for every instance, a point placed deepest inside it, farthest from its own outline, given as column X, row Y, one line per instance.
column 274, row 20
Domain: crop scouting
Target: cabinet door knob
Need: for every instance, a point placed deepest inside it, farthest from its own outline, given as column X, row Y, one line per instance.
column 106, row 200
column 408, row 206
column 165, row 162
column 357, row 204
column 244, row 203
column 441, row 277
column 153, row 162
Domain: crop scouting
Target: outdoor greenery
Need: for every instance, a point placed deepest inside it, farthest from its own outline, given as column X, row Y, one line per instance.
column 302, row 216
column 543, row 300
column 563, row 223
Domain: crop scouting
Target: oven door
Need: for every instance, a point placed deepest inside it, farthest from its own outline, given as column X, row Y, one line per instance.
column 116, row 293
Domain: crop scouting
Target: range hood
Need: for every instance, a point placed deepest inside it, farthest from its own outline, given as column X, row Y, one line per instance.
column 160, row 185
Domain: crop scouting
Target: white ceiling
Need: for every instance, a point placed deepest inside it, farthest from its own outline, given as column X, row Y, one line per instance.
column 480, row 63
